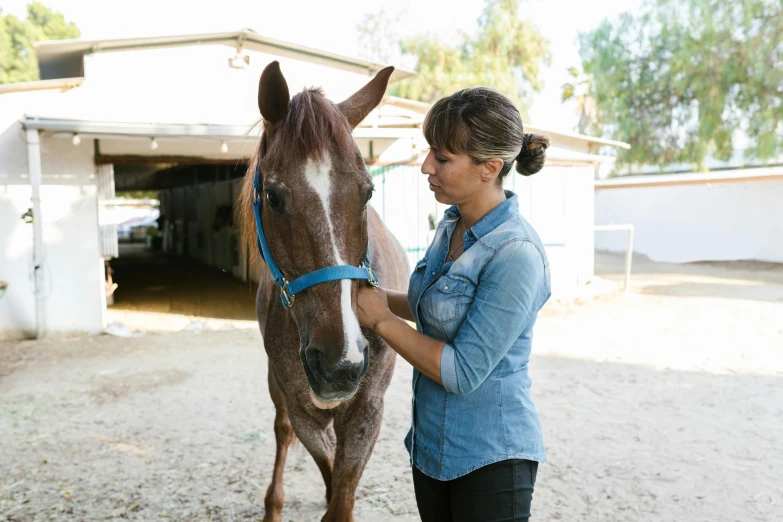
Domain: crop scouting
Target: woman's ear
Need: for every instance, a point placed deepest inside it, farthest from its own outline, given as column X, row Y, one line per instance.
column 491, row 168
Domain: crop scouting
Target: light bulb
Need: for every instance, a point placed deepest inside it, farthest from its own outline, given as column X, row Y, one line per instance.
column 224, row 147
column 154, row 144
column 76, row 139
column 239, row 61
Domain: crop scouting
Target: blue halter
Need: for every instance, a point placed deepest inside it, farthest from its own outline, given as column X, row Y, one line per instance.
column 288, row 290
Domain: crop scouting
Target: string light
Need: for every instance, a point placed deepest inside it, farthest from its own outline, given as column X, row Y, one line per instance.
column 76, row 140
column 224, row 147
column 154, row 144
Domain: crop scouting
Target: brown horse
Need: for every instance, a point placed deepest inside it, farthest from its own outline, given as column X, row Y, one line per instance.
column 327, row 376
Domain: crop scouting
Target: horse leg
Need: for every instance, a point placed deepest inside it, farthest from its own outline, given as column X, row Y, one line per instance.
column 357, row 430
column 317, row 435
column 284, row 436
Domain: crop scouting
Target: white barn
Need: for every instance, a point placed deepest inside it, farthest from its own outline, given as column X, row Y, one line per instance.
column 177, row 115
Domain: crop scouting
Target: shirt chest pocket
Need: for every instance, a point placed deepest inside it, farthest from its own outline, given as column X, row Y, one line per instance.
column 448, row 303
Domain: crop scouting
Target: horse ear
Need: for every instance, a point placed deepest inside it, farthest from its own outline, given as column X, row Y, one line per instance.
column 273, row 97
column 359, row 105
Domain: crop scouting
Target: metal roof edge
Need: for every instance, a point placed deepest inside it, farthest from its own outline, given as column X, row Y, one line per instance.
column 583, row 137
column 185, row 130
column 231, row 39
column 697, row 178
column 227, row 131
column 41, row 85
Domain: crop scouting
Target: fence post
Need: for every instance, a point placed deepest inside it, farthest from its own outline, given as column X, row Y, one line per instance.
column 628, row 251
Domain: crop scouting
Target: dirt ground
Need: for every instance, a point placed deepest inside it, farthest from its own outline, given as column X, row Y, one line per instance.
column 662, row 404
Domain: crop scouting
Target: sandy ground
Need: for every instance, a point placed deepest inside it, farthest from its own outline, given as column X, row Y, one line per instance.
column 662, row 404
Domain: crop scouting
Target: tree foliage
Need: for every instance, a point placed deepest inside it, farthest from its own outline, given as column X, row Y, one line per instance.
column 683, row 79
column 580, row 88
column 17, row 54
column 507, row 54
column 379, row 35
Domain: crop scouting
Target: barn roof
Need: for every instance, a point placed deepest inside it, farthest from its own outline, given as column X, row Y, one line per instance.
column 54, row 56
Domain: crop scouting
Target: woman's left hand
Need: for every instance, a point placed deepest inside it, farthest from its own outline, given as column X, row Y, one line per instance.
column 372, row 306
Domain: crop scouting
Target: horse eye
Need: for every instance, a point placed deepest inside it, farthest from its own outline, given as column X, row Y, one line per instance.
column 274, row 201
column 369, row 197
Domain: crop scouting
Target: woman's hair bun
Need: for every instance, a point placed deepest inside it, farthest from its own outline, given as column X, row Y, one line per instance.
column 533, row 154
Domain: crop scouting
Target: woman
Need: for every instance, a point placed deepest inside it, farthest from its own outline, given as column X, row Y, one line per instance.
column 475, row 440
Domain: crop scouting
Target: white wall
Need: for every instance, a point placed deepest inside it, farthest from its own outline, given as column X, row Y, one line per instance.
column 73, row 269
column 705, row 222
column 558, row 203
column 186, row 85
column 17, row 307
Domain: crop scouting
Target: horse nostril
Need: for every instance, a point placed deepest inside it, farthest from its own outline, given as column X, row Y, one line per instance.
column 351, row 372
column 313, row 357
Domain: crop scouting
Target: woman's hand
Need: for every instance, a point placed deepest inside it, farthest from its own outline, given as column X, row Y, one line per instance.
column 372, row 306
column 422, row 352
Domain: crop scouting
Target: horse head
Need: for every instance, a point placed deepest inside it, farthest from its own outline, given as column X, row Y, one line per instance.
column 315, row 189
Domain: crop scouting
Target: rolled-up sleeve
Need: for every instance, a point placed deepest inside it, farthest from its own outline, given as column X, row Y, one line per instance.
column 511, row 290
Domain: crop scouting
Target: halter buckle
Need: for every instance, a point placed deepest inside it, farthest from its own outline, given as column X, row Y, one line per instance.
column 373, row 277
column 285, row 295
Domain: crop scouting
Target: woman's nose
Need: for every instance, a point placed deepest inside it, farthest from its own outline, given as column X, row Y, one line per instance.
column 427, row 166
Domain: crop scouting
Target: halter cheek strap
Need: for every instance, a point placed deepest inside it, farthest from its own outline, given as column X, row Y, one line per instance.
column 288, row 290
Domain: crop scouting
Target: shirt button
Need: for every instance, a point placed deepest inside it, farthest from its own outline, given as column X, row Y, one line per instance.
column 446, row 287
column 433, row 273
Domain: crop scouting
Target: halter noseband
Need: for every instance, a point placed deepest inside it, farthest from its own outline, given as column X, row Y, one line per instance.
column 288, row 290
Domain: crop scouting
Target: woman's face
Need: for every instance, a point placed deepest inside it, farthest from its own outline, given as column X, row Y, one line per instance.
column 454, row 178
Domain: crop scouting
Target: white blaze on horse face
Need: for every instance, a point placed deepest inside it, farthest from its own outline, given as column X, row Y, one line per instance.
column 318, row 175
column 353, row 332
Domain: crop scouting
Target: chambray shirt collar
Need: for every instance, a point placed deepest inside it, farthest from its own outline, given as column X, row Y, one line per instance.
column 498, row 215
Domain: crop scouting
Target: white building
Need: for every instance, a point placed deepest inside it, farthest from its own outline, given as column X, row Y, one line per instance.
column 178, row 115
column 726, row 215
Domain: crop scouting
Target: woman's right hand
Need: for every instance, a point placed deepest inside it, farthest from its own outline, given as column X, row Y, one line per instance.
column 372, row 306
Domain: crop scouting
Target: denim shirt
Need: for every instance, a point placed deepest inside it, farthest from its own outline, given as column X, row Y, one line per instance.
column 483, row 306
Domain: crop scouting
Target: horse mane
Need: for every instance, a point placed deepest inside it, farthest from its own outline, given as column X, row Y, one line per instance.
column 311, row 126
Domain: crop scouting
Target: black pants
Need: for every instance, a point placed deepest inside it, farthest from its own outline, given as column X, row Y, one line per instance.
column 499, row 492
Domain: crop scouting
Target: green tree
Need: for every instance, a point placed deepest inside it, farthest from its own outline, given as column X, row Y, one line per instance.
column 681, row 79
column 506, row 54
column 17, row 37
column 580, row 89
column 379, row 34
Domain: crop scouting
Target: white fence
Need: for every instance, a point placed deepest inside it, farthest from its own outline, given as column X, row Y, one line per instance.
column 629, row 229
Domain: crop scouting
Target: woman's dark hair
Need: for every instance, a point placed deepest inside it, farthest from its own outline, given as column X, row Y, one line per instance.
column 484, row 124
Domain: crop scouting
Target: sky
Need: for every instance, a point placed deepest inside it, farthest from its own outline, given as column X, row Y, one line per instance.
column 331, row 25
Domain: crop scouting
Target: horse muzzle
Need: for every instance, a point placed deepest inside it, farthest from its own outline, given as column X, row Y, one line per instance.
column 332, row 382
